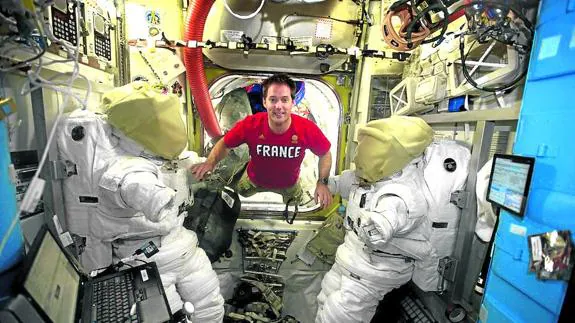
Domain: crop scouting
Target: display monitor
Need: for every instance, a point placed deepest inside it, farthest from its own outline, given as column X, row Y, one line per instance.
column 509, row 182
column 52, row 281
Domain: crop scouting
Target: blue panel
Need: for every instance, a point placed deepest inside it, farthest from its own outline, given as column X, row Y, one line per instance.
column 512, row 293
column 551, row 208
column 545, row 131
column 551, row 9
column 514, row 307
column 554, row 48
column 14, row 248
column 546, row 97
column 511, row 262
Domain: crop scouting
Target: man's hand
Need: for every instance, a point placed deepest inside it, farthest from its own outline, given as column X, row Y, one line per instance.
column 200, row 170
column 323, row 195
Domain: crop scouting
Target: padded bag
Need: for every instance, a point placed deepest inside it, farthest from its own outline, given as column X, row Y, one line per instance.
column 213, row 217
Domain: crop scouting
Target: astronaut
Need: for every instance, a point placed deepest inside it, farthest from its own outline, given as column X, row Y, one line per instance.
column 387, row 229
column 130, row 187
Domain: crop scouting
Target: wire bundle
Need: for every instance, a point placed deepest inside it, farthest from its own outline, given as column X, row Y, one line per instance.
column 33, row 67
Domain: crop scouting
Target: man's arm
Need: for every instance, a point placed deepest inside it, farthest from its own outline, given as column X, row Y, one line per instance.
column 322, row 193
column 324, row 165
column 218, row 153
column 232, row 139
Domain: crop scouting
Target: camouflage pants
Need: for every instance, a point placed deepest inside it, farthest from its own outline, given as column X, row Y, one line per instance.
column 246, row 188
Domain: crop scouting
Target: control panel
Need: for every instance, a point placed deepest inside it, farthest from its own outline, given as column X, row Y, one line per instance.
column 98, row 25
column 88, row 24
column 64, row 21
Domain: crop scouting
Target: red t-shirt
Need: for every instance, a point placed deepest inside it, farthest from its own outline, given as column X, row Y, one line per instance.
column 276, row 159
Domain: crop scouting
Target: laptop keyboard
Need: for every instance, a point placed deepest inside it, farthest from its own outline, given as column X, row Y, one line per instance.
column 113, row 298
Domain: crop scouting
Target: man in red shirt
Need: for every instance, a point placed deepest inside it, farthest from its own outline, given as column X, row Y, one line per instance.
column 277, row 140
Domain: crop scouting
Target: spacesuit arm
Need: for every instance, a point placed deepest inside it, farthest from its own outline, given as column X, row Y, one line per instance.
column 342, row 184
column 144, row 192
column 378, row 227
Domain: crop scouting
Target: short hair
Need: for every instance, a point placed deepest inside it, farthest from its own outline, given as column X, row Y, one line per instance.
column 280, row 78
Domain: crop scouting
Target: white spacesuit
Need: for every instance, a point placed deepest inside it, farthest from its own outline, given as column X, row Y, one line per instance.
column 125, row 192
column 386, row 222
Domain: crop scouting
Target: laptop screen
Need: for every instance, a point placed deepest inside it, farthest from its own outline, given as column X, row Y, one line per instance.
column 53, row 282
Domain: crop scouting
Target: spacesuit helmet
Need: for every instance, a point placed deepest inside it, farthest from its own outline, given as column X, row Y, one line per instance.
column 150, row 118
column 386, row 146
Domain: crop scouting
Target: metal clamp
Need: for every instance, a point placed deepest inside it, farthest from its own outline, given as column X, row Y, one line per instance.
column 400, row 56
column 62, row 169
column 460, row 199
column 446, row 268
column 246, row 44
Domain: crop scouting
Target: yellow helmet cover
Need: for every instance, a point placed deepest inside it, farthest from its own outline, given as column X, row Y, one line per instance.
column 386, row 146
column 147, row 116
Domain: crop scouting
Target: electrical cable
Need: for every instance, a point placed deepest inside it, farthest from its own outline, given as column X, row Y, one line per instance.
column 21, row 64
column 295, row 14
column 444, row 23
column 469, row 79
column 48, row 83
column 250, row 16
column 33, row 76
column 510, row 85
column 327, row 51
column 39, row 52
column 8, row 21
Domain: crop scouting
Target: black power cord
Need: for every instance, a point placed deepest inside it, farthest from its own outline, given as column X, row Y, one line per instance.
column 24, row 64
column 490, row 32
column 440, row 7
column 435, row 7
column 510, row 85
column 349, row 22
column 505, row 87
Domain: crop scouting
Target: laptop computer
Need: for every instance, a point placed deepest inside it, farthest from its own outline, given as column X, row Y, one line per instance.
column 61, row 292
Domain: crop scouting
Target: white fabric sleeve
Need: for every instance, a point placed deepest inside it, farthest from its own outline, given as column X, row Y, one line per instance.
column 342, row 184
column 486, row 217
column 378, row 227
column 144, row 192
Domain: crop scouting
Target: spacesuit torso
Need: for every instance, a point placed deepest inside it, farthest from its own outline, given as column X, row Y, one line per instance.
column 387, row 232
column 115, row 194
column 385, row 219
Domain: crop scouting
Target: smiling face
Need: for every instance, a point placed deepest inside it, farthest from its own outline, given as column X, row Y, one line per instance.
column 278, row 102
